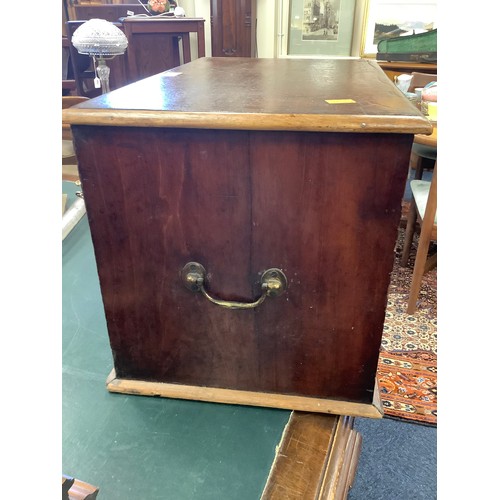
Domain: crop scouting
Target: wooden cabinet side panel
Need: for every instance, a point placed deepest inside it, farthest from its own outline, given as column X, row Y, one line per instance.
column 157, row 199
column 326, row 208
column 322, row 207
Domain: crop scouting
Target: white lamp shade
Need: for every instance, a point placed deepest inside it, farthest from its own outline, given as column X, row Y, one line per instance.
column 100, row 38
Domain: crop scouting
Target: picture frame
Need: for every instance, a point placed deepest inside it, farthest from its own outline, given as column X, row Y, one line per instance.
column 320, row 28
column 394, row 18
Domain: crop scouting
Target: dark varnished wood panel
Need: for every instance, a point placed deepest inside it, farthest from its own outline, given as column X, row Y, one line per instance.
column 152, row 53
column 323, row 207
column 174, row 199
column 325, row 210
column 233, row 28
column 154, row 44
column 110, row 12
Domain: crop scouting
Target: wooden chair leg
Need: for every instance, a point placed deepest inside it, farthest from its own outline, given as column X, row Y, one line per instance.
column 431, row 263
column 423, row 245
column 419, row 167
column 418, row 271
column 410, row 230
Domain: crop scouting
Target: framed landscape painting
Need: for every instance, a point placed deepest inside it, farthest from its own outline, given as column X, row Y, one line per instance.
column 390, row 19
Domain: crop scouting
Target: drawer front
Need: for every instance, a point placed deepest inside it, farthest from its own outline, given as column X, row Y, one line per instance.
column 323, row 208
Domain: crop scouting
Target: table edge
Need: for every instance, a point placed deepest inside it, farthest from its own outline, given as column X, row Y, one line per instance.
column 248, row 121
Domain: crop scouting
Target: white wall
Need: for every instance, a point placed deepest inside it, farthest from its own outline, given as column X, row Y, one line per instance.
column 266, row 28
column 267, row 33
column 198, row 8
column 265, row 24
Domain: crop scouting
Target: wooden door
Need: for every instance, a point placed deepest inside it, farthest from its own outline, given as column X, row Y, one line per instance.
column 233, row 27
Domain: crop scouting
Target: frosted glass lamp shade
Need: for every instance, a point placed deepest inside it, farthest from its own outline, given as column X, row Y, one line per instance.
column 99, row 38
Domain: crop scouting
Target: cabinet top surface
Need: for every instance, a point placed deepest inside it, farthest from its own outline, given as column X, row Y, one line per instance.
column 346, row 95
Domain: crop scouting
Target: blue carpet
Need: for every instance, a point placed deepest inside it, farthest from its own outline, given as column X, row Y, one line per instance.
column 398, row 461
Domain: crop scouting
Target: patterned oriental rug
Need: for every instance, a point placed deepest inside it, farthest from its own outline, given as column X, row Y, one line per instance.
column 407, row 368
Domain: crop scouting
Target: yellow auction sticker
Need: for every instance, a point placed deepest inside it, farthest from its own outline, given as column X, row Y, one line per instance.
column 340, row 101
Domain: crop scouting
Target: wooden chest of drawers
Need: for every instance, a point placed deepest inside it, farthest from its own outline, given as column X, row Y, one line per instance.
column 224, row 182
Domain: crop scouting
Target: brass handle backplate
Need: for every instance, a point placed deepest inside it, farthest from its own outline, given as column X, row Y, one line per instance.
column 273, row 283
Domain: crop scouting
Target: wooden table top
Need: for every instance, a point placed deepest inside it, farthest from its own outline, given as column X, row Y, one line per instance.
column 344, row 95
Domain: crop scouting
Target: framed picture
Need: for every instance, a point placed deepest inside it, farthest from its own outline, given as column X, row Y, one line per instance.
column 394, row 18
column 318, row 27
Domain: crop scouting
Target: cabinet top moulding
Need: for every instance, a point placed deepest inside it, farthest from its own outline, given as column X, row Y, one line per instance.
column 256, row 94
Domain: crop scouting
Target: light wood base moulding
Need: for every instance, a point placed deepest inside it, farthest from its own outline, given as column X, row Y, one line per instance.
column 316, row 460
column 249, row 398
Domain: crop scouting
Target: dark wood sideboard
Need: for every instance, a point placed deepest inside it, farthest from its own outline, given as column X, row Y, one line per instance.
column 109, row 12
column 154, row 45
column 250, row 168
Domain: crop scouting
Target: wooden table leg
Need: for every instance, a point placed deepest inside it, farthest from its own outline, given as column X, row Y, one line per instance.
column 74, row 489
column 316, row 459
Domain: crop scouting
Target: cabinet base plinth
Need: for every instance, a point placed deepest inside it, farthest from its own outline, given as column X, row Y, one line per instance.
column 249, row 398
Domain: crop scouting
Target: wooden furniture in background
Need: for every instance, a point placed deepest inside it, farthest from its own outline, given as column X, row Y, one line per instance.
column 424, row 152
column 69, row 161
column 154, row 44
column 317, row 459
column 109, row 12
column 221, row 168
column 153, row 47
column 429, row 140
column 68, row 81
column 420, row 80
column 393, row 69
column 72, row 215
column 83, row 68
column 423, row 208
column 233, row 28
column 422, row 157
column 67, row 137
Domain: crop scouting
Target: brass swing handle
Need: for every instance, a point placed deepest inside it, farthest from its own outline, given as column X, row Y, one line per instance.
column 273, row 283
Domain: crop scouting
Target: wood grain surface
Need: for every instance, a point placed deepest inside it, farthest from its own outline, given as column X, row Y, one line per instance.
column 246, row 398
column 260, row 94
column 316, row 460
column 324, row 208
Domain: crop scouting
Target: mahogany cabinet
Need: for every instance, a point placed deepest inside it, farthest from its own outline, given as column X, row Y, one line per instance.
column 233, row 28
column 244, row 214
